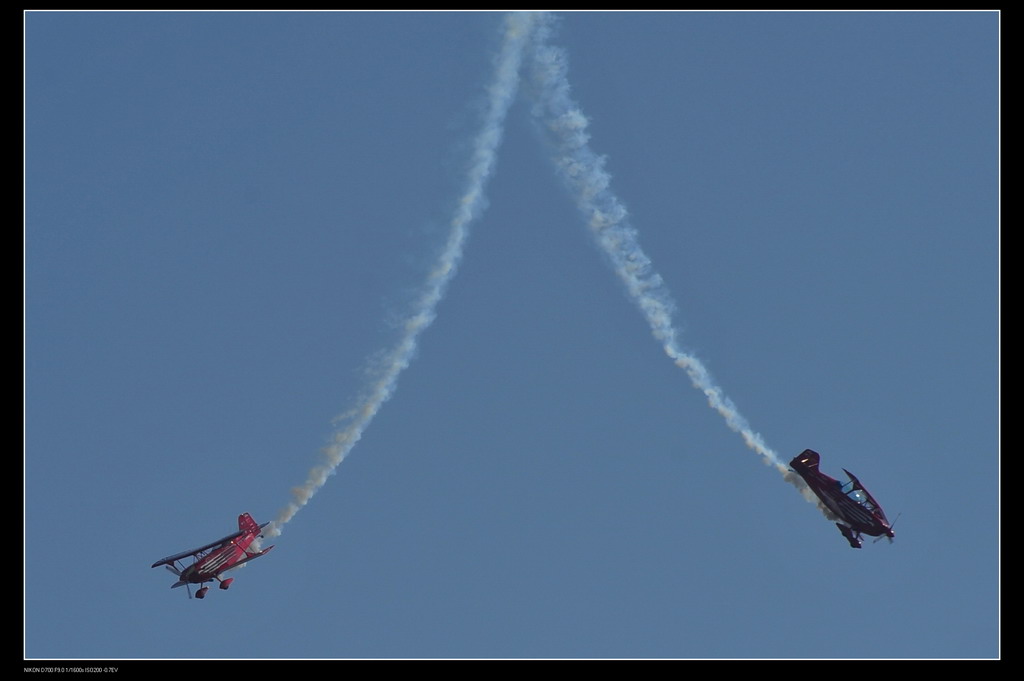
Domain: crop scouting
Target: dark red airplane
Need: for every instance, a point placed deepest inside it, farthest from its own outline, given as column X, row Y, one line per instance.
column 217, row 557
column 858, row 511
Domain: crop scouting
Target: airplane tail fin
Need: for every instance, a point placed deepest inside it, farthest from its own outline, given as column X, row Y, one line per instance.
column 808, row 459
column 247, row 524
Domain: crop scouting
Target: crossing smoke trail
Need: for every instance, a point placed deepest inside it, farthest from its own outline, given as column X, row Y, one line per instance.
column 583, row 171
column 500, row 95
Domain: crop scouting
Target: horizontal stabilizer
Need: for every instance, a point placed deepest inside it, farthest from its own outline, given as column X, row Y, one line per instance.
column 252, row 557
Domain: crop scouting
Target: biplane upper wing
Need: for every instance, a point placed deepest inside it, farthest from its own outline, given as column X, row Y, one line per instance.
column 875, row 506
column 246, row 525
column 185, row 554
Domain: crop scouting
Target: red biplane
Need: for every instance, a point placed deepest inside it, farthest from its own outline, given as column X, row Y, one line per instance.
column 215, row 558
column 858, row 511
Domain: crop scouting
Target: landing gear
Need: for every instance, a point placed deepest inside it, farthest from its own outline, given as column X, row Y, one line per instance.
column 851, row 536
column 227, row 582
column 202, row 592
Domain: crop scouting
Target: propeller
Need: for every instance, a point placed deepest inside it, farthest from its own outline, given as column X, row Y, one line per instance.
column 888, row 536
column 176, row 571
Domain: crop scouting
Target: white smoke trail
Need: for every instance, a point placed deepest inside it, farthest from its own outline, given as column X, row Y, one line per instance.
column 500, row 94
column 583, row 171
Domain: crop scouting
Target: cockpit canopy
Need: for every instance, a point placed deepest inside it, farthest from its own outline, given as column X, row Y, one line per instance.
column 853, row 491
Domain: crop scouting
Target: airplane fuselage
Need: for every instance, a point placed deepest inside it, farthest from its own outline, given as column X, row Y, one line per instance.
column 213, row 559
column 857, row 511
column 209, row 567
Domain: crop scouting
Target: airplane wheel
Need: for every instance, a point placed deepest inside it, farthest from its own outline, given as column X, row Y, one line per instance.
column 226, row 583
column 202, row 592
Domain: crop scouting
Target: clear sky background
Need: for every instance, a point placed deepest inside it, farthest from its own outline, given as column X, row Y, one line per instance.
column 228, row 213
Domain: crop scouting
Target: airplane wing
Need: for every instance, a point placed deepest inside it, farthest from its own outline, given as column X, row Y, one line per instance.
column 185, row 554
column 877, row 508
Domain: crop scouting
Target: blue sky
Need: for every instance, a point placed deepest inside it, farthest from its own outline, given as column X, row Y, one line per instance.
column 228, row 216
